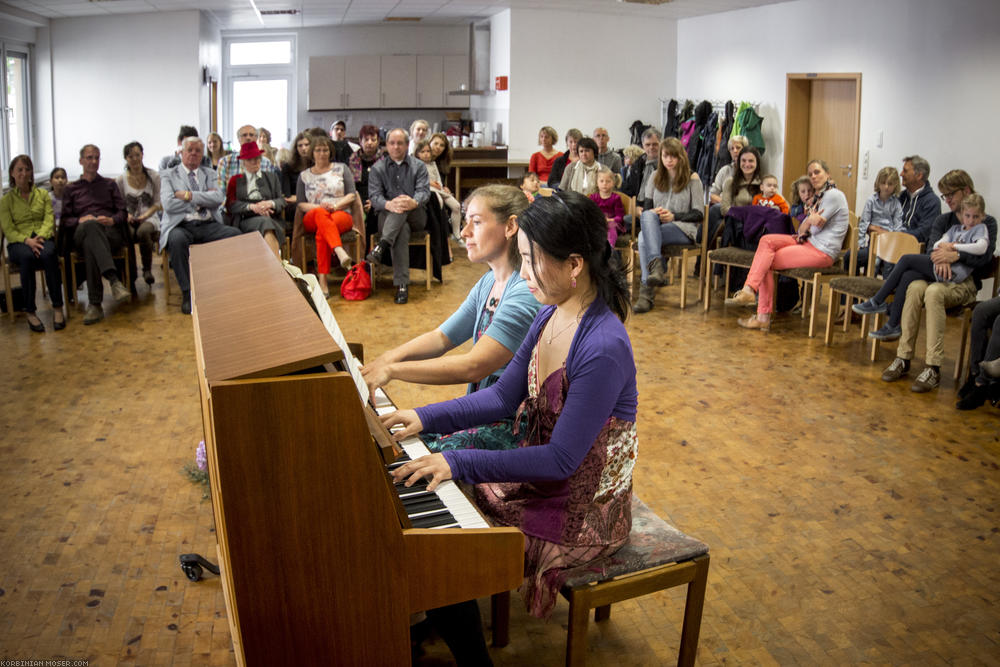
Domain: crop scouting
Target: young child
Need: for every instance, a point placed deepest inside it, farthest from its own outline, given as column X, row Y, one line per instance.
column 423, row 153
column 802, row 194
column 769, row 194
column 610, row 204
column 882, row 209
column 530, row 185
column 970, row 236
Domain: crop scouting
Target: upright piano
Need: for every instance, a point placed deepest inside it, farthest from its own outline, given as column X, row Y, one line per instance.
column 320, row 562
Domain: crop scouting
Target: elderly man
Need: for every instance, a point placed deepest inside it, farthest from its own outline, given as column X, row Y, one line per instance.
column 920, row 205
column 191, row 202
column 398, row 188
column 605, row 155
column 645, row 165
column 94, row 213
column 229, row 166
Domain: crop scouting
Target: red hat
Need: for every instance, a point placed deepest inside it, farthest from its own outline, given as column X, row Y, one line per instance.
column 250, row 150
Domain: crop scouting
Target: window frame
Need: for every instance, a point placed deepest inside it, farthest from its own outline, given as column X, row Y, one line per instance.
column 27, row 51
column 231, row 73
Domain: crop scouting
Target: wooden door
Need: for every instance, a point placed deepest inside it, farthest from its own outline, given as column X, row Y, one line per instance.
column 822, row 121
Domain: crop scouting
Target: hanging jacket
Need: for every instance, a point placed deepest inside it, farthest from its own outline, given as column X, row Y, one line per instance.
column 687, row 131
column 722, row 156
column 637, row 128
column 702, row 112
column 705, row 157
column 687, row 111
column 750, row 123
column 672, row 126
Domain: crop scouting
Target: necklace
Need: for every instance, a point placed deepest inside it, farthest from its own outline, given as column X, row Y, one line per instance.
column 555, row 334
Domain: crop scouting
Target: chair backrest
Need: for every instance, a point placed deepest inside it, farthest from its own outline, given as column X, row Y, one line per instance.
column 546, row 192
column 627, row 202
column 850, row 243
column 890, row 246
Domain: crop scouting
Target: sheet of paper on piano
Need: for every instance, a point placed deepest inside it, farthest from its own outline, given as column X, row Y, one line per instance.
column 330, row 322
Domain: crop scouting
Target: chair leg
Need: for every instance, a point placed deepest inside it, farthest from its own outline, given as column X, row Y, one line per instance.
column 427, row 256
column 500, row 618
column 828, row 335
column 576, row 640
column 963, row 347
column 684, row 281
column 875, row 341
column 814, row 307
column 165, row 268
column 693, row 607
column 602, row 613
column 708, row 286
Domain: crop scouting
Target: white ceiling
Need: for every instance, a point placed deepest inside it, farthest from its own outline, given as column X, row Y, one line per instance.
column 238, row 14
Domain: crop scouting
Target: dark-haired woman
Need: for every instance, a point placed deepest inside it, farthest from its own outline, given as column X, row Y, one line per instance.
column 740, row 188
column 581, row 175
column 141, row 189
column 29, row 227
column 568, row 486
column 673, row 206
column 57, row 185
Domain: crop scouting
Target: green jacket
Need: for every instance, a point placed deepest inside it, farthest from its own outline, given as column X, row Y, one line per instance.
column 20, row 219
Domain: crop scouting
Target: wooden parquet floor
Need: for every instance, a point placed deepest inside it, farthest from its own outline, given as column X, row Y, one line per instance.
column 850, row 521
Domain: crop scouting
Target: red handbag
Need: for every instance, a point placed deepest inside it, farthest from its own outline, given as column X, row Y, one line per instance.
column 357, row 286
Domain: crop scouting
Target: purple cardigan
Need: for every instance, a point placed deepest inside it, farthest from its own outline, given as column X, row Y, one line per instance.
column 601, row 374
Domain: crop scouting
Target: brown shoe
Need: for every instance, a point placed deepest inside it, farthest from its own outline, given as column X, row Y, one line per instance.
column 656, row 277
column 644, row 303
column 742, row 298
column 753, row 323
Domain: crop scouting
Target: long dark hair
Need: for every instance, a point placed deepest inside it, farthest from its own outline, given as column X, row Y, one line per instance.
column 299, row 163
column 125, row 151
column 444, row 160
column 738, row 181
column 31, row 168
column 569, row 223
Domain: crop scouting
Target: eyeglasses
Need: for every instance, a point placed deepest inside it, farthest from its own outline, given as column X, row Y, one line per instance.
column 948, row 195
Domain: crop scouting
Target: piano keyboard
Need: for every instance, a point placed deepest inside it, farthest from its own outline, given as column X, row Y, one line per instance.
column 446, row 506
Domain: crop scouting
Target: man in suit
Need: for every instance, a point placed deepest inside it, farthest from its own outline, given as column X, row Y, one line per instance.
column 191, row 202
column 398, row 187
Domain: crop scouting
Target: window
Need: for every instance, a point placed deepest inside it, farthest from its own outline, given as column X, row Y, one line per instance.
column 16, row 135
column 259, row 85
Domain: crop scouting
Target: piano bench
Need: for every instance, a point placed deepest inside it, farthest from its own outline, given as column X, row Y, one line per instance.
column 657, row 556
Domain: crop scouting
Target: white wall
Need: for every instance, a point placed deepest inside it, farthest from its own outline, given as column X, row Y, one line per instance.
column 495, row 109
column 564, row 74
column 929, row 79
column 210, row 60
column 123, row 78
column 44, row 149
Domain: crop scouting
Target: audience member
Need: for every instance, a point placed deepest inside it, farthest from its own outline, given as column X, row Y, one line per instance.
column 419, row 129
column 327, row 198
column 290, row 170
column 643, row 169
column 882, row 211
column 230, row 165
column 541, row 161
column 530, row 186
column 610, row 204
column 632, row 164
column 735, row 144
column 740, row 188
column 214, row 150
column 255, row 201
column 605, row 155
column 441, row 152
column 444, row 197
column 94, row 213
column 141, row 189
column 581, row 175
column 57, row 181
column 29, row 226
column 817, row 244
column 398, row 189
column 673, row 205
column 192, row 203
column 802, row 194
column 769, row 195
column 984, row 345
column 174, row 159
column 264, row 143
column 338, row 132
column 935, row 286
column 361, row 162
column 920, row 204
column 559, row 165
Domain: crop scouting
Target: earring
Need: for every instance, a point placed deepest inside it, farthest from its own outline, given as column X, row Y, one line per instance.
column 573, row 282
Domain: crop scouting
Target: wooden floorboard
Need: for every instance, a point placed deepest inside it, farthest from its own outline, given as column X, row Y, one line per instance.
column 849, row 520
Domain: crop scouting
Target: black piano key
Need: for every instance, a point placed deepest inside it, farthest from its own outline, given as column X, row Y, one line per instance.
column 422, row 506
column 433, row 521
column 419, row 485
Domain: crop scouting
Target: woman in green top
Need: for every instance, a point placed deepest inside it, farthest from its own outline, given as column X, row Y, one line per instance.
column 29, row 227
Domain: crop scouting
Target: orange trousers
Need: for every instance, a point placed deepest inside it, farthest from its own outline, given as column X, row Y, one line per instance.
column 328, row 226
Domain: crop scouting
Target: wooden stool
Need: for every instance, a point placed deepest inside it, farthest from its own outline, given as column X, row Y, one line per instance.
column 657, row 556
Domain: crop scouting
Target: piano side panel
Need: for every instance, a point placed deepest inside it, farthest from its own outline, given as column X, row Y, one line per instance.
column 450, row 565
column 313, row 540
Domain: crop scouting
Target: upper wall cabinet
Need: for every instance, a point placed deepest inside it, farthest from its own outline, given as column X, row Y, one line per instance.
column 386, row 82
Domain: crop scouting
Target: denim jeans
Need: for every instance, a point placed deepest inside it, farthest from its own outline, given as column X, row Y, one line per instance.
column 653, row 236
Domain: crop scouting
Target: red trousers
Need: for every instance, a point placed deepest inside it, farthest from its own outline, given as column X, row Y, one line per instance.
column 328, row 226
column 774, row 253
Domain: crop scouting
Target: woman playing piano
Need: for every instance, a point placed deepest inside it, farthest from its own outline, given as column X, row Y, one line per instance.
column 496, row 315
column 568, row 484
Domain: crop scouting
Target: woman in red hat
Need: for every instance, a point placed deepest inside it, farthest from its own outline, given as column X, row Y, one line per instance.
column 254, row 199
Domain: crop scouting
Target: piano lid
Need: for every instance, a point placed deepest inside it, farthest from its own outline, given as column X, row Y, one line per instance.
column 253, row 322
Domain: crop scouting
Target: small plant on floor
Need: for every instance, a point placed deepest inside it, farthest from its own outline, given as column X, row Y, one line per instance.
column 198, row 472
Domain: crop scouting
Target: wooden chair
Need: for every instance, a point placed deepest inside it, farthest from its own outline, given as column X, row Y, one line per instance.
column 887, row 246
column 123, row 256
column 729, row 257
column 351, row 238
column 656, row 557
column 8, row 267
column 546, row 192
column 421, row 238
column 812, row 279
column 965, row 312
column 678, row 256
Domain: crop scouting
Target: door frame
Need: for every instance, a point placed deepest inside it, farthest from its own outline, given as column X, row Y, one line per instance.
column 798, row 96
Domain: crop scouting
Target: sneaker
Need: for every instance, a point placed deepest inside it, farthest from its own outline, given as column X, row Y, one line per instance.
column 897, row 369
column 94, row 314
column 928, row 379
column 887, row 332
column 869, row 307
column 742, row 298
column 119, row 292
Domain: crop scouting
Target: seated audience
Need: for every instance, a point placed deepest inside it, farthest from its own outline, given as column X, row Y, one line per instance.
column 94, row 214
column 264, row 143
column 632, row 163
column 581, row 175
column 530, row 186
column 735, row 144
column 673, row 205
column 441, row 152
column 398, row 188
column 290, row 170
column 57, row 182
column 920, row 205
column 817, row 244
column 740, row 188
column 610, row 204
column 769, row 195
column 882, row 211
column 192, row 212
column 936, row 286
column 174, row 158
column 141, row 189
column 559, row 165
column 255, row 201
column 802, row 194
column 496, row 315
column 605, row 155
column 29, row 226
column 541, row 161
column 229, row 166
column 444, row 197
column 568, row 483
column 419, row 129
column 984, row 346
column 644, row 168
column 327, row 197
column 215, row 151
column 361, row 162
column 338, row 132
